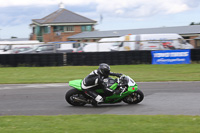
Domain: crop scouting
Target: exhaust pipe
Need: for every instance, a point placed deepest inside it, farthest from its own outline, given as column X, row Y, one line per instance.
column 80, row 100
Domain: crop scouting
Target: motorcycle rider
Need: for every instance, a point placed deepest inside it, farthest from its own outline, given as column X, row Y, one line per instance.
column 95, row 80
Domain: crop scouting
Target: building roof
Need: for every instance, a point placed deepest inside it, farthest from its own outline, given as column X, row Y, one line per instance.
column 15, row 39
column 63, row 16
column 182, row 30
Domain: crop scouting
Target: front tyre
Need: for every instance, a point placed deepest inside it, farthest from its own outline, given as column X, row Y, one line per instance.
column 72, row 94
column 134, row 98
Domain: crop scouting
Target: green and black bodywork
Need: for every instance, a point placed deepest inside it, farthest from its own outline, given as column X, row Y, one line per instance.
column 128, row 94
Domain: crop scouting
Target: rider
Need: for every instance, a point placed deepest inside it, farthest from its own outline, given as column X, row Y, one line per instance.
column 96, row 80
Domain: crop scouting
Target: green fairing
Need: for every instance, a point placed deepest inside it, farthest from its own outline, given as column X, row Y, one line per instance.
column 113, row 87
column 130, row 88
column 117, row 98
column 114, row 98
column 76, row 84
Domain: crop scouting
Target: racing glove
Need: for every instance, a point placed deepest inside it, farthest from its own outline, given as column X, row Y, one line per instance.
column 116, row 74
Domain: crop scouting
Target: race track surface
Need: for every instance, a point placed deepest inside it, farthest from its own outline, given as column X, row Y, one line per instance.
column 169, row 98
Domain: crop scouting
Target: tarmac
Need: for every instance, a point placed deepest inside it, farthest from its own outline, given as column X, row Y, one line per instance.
column 161, row 98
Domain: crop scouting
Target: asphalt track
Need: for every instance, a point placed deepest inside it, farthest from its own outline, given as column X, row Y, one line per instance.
column 169, row 98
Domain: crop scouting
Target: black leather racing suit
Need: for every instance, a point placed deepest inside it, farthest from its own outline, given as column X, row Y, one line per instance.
column 93, row 81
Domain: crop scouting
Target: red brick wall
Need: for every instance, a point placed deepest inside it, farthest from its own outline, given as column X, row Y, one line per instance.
column 193, row 41
column 33, row 37
column 77, row 28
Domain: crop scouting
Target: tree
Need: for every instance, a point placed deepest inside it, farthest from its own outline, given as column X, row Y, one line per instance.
column 193, row 23
column 12, row 37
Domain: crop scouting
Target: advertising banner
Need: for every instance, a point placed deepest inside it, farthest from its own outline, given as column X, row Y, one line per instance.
column 171, row 56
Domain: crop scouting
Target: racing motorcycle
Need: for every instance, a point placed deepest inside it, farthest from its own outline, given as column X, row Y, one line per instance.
column 126, row 87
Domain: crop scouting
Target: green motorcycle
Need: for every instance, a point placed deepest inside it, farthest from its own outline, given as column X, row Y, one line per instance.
column 128, row 92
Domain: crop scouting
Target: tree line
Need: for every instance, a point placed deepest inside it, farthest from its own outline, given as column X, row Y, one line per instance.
column 193, row 23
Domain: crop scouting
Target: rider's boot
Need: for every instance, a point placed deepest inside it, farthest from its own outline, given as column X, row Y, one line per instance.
column 96, row 98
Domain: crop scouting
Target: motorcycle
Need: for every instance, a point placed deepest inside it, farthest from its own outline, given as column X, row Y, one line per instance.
column 126, row 87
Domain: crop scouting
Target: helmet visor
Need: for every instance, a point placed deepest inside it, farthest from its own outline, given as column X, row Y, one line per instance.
column 106, row 72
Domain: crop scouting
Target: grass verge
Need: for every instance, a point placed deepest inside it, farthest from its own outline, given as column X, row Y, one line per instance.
column 140, row 73
column 100, row 124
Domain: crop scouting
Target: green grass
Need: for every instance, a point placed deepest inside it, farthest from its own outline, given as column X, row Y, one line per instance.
column 100, row 124
column 140, row 73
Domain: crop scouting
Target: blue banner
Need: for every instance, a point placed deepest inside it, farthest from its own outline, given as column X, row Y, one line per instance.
column 171, row 56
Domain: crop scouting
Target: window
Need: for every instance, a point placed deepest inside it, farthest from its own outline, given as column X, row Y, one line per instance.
column 38, row 31
column 69, row 28
column 63, row 28
column 46, row 29
column 58, row 28
column 58, row 45
column 45, row 48
column 86, row 28
column 198, row 43
column 181, row 41
column 121, row 44
column 76, row 45
column 49, row 48
column 187, row 39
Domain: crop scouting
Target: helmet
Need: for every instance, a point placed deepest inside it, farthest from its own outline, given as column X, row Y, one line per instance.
column 104, row 69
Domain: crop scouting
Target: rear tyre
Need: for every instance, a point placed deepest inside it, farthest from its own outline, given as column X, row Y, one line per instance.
column 134, row 98
column 69, row 97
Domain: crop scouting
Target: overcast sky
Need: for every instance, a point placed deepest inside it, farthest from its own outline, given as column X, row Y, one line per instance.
column 16, row 15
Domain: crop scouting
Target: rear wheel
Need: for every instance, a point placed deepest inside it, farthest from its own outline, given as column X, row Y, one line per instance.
column 71, row 96
column 134, row 98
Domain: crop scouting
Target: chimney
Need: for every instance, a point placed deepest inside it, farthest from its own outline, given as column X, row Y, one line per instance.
column 61, row 5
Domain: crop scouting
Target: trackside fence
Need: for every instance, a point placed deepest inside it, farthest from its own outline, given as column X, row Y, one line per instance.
column 195, row 55
column 78, row 59
column 112, row 58
column 29, row 60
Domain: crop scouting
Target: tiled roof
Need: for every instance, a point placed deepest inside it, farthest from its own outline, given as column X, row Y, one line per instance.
column 193, row 29
column 63, row 16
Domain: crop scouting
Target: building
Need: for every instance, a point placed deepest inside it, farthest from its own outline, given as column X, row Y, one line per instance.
column 59, row 25
column 197, row 42
column 190, row 33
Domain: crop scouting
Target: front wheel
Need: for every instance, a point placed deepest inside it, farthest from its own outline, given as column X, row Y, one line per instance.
column 134, row 98
column 71, row 96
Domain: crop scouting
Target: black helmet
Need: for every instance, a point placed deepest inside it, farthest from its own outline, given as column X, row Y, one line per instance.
column 104, row 69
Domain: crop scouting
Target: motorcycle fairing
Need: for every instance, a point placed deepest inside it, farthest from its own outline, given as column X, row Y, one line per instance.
column 117, row 98
column 76, row 84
